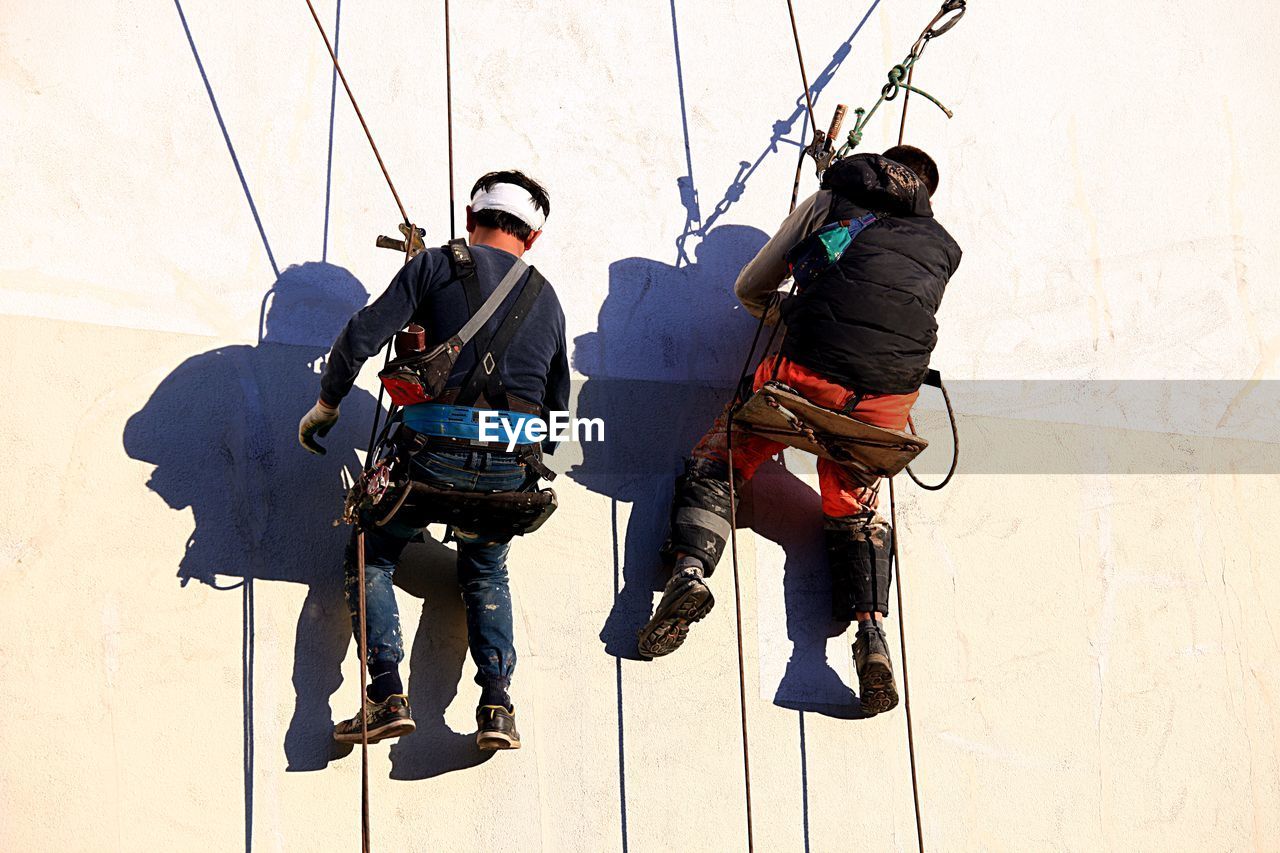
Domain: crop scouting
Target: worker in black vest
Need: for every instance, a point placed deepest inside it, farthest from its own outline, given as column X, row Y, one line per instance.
column 531, row 379
column 858, row 338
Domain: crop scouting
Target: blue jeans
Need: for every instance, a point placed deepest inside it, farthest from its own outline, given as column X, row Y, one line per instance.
column 482, row 569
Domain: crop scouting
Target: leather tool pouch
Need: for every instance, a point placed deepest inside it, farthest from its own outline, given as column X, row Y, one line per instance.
column 420, row 377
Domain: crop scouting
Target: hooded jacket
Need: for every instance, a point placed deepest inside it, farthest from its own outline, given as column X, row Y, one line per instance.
column 868, row 321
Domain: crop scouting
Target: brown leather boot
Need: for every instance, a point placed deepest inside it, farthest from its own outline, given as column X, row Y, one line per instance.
column 876, row 688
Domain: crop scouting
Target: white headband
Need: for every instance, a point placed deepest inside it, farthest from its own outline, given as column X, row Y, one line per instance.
column 512, row 199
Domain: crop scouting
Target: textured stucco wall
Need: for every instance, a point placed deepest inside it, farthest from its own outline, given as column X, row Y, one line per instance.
column 1094, row 655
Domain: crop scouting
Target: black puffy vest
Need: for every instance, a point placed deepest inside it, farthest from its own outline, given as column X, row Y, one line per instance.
column 868, row 321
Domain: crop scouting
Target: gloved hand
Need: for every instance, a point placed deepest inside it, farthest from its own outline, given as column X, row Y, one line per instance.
column 316, row 422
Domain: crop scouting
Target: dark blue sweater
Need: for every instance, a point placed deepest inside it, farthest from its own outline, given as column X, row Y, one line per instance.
column 534, row 368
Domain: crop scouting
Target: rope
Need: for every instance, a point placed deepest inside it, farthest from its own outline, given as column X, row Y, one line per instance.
column 900, row 76
column 737, row 604
column 906, row 683
column 887, row 93
column 448, row 100
column 808, row 100
column 359, row 115
column 364, row 718
column 955, row 445
column 410, row 235
column 906, row 102
column 804, row 78
column 733, row 496
column 734, row 403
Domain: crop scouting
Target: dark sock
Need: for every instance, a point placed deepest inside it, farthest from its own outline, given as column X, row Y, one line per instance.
column 690, row 562
column 384, row 681
column 495, row 694
column 868, row 625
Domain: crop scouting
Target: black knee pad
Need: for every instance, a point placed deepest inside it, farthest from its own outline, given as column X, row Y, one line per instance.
column 860, row 554
column 701, row 512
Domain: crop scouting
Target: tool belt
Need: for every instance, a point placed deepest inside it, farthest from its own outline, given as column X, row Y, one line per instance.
column 498, row 514
column 386, row 492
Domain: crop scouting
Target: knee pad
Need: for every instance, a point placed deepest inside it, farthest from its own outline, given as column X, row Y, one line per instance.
column 860, row 554
column 701, row 512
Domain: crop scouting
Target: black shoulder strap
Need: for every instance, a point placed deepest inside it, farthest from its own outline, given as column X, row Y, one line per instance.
column 464, row 269
column 490, row 305
column 484, row 375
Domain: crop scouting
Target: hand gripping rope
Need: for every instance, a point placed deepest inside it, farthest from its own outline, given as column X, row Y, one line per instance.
column 821, row 149
column 411, row 245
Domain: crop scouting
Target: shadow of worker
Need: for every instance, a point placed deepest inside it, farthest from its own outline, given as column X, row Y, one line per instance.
column 660, row 366
column 787, row 510
column 221, row 430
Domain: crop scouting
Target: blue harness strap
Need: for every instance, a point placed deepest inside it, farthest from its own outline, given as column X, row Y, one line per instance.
column 442, row 419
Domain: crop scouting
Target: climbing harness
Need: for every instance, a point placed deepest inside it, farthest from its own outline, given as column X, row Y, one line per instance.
column 386, row 490
column 780, row 413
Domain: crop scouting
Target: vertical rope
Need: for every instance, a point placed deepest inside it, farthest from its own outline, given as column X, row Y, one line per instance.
column 906, row 101
column 356, row 107
column 906, row 683
column 448, row 101
column 364, row 718
column 733, row 496
column 804, row 78
column 737, row 601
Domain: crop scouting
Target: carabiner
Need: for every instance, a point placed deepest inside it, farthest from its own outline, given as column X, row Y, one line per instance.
column 934, row 29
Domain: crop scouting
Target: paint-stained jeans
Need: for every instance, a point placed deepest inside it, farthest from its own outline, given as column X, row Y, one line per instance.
column 482, row 568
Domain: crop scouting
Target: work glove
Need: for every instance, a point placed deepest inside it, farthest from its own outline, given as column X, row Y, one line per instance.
column 316, row 422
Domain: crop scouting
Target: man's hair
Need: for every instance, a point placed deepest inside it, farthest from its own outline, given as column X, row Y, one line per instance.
column 917, row 161
column 500, row 219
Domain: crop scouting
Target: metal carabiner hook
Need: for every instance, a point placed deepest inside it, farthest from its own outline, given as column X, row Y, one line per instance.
column 935, row 29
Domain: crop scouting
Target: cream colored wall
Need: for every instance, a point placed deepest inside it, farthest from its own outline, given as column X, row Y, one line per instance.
column 1093, row 656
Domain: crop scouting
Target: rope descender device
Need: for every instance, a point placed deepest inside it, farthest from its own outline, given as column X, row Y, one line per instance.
column 411, row 246
column 822, row 149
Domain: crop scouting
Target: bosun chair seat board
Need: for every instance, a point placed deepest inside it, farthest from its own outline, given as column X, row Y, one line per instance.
column 778, row 412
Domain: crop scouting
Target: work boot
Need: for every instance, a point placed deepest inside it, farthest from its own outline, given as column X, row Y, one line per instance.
column 876, row 688
column 686, row 599
column 496, row 728
column 386, row 719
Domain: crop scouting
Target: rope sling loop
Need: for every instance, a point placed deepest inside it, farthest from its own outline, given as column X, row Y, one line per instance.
column 411, row 246
column 821, row 149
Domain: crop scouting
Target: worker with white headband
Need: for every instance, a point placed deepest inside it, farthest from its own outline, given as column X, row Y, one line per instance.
column 521, row 372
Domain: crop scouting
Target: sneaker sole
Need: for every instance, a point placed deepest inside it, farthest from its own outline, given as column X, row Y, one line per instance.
column 493, row 741
column 397, row 728
column 669, row 627
column 879, row 692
